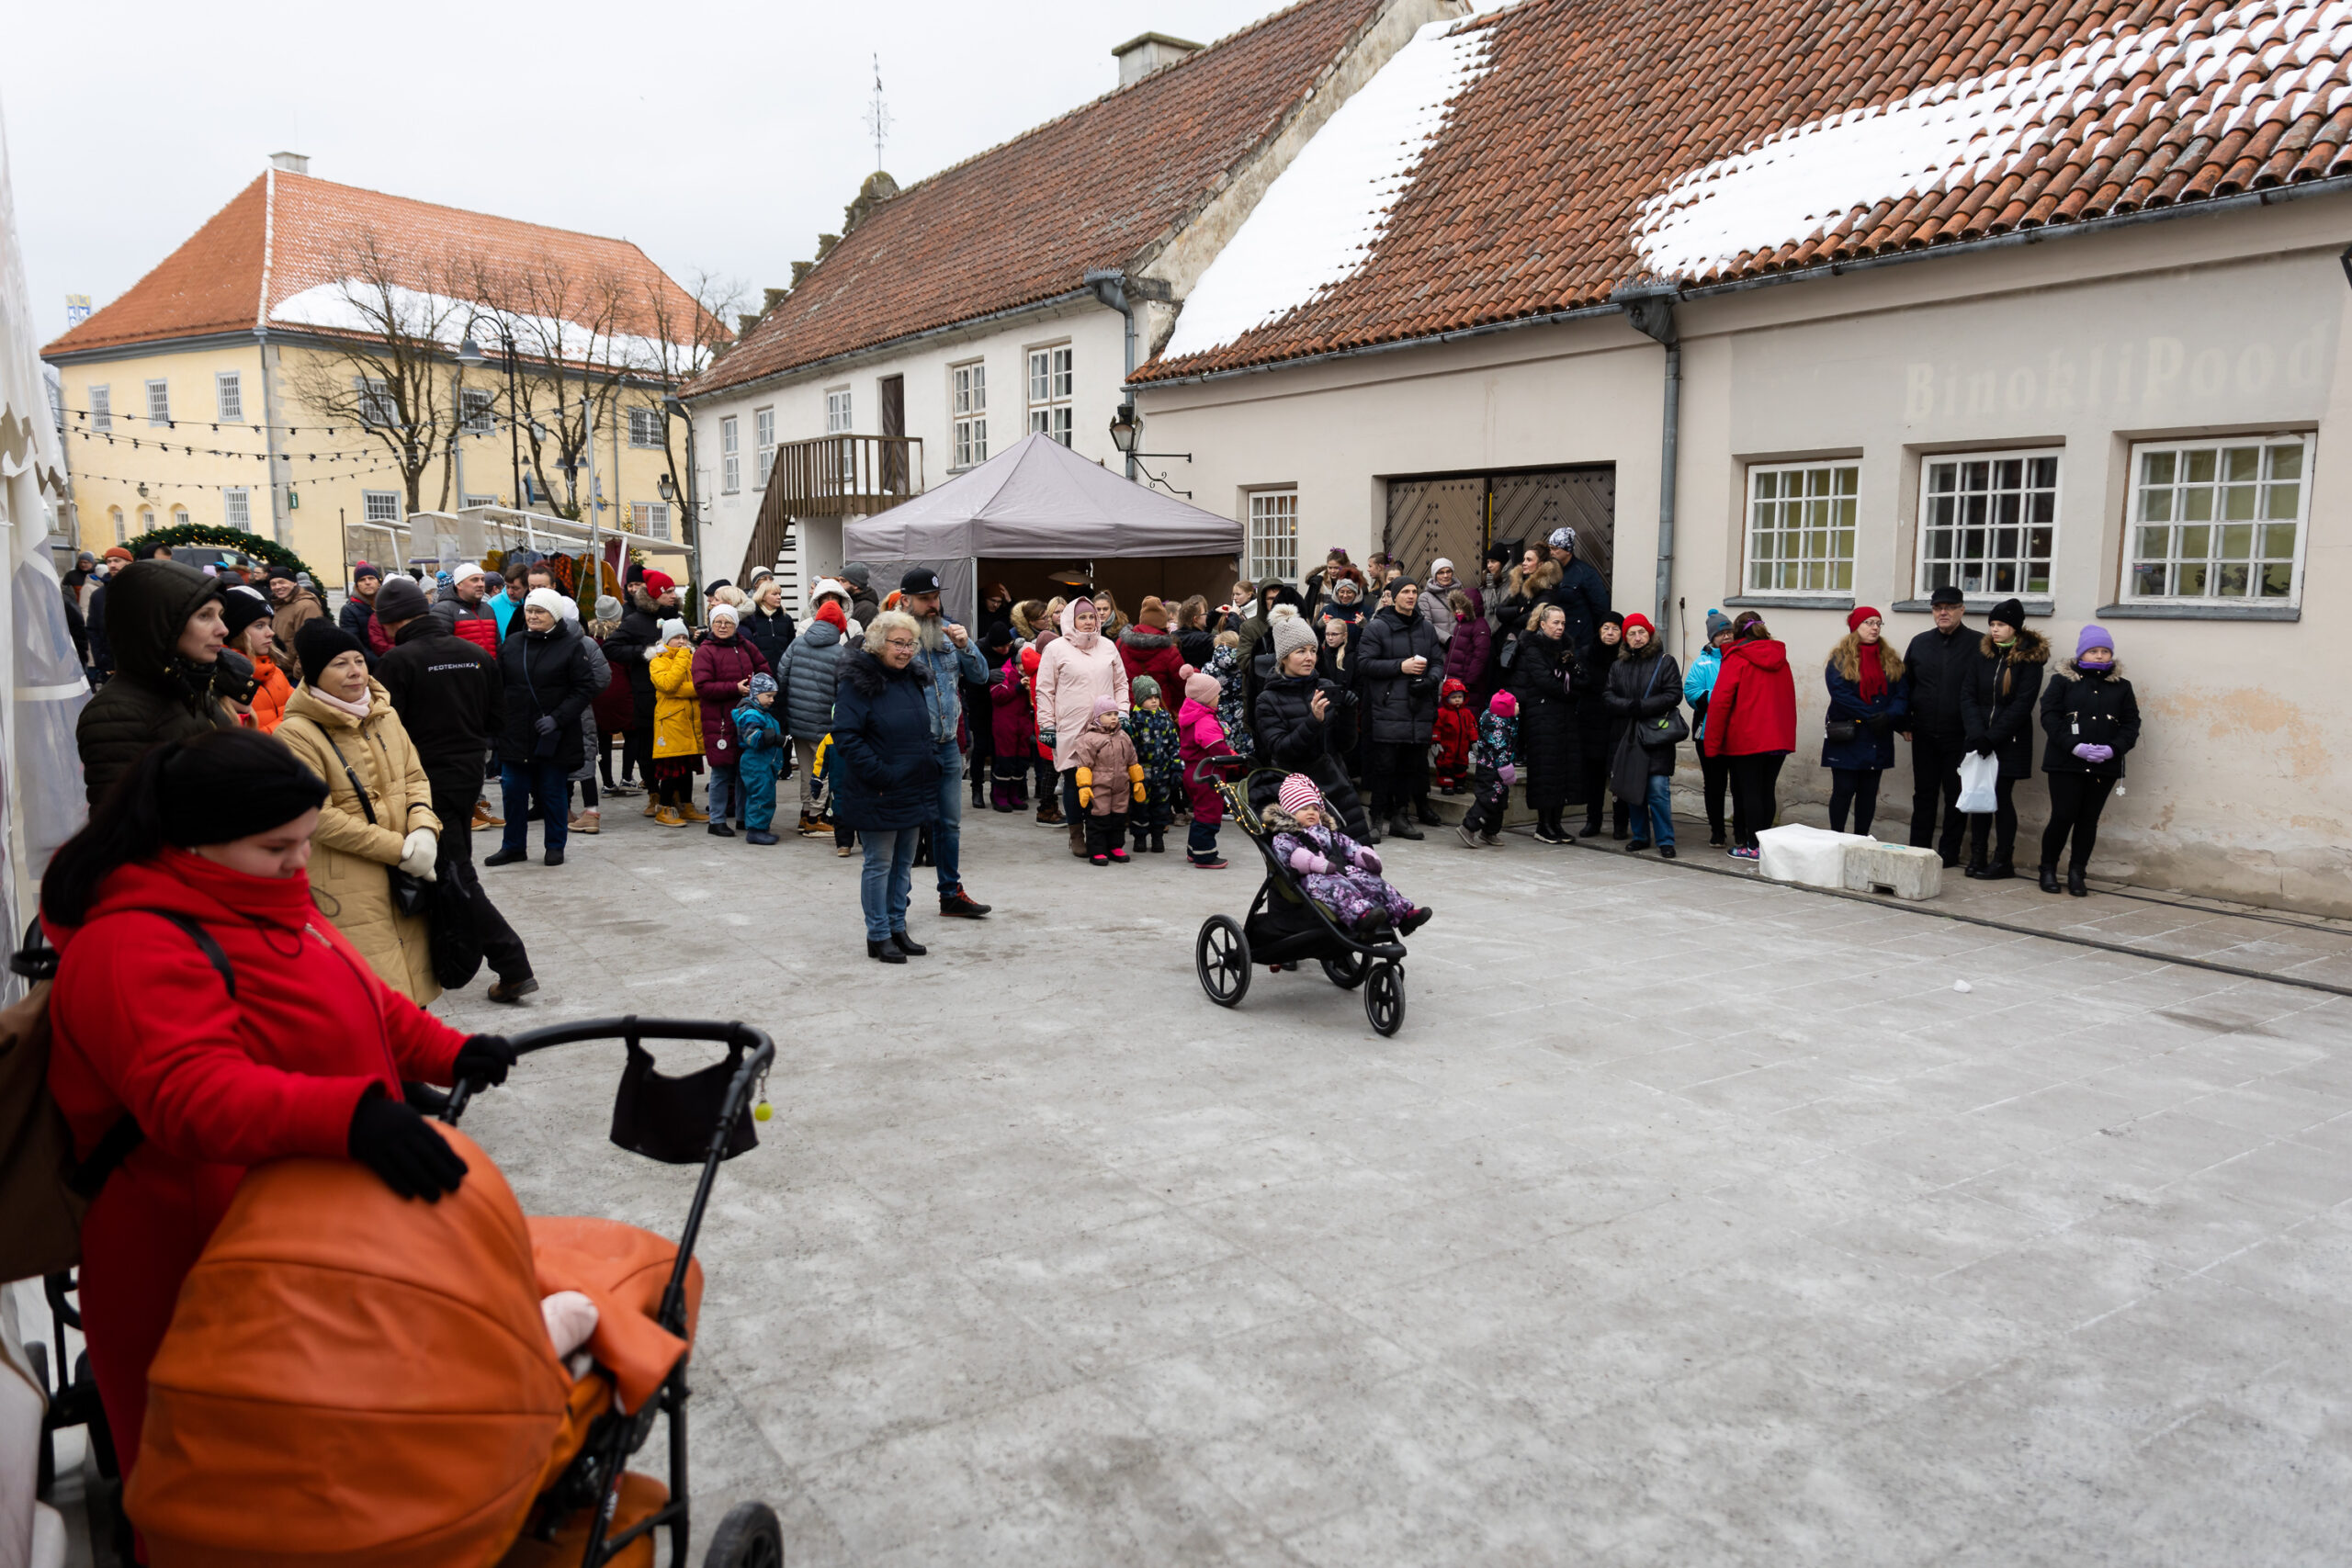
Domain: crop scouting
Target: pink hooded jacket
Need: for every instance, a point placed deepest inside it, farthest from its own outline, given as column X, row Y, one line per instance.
column 1068, row 680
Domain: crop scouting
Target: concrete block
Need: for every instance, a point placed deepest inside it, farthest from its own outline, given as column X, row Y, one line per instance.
column 1812, row 857
column 1899, row 869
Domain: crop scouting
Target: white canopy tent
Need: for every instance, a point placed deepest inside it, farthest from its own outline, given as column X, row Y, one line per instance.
column 1035, row 501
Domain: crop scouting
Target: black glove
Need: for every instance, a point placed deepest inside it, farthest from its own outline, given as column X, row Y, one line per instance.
column 399, row 1146
column 482, row 1061
column 1985, row 749
column 232, row 677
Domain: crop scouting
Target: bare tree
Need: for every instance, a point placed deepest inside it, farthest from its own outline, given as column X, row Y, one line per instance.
column 384, row 361
column 687, row 335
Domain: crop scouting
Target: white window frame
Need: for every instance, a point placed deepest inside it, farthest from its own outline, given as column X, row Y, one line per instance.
column 1050, row 383
column 1826, row 510
column 650, row 518
column 377, row 410
column 1271, row 551
column 159, row 402
column 2179, row 519
column 237, row 507
column 645, row 429
column 381, row 507
column 968, row 415
column 121, row 522
column 838, row 406
column 1931, row 568
column 474, row 501
column 762, row 446
column 476, row 410
column 102, row 410
column 731, row 456
column 178, row 514
column 229, row 396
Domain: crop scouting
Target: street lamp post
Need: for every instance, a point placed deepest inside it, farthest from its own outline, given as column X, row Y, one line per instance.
column 1126, row 434
column 470, row 354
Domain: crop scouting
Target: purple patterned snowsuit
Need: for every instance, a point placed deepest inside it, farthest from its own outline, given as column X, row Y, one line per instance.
column 1349, row 890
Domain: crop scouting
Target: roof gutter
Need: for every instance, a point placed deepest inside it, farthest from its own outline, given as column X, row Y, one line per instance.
column 888, row 346
column 1110, row 286
column 2212, row 206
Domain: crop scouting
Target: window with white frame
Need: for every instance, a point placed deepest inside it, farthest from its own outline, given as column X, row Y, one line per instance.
column 481, row 500
column 376, row 408
column 229, row 388
column 1800, row 528
column 379, row 506
column 179, row 517
column 968, row 409
column 837, row 419
column 159, row 402
column 1273, row 536
column 2218, row 519
column 645, row 427
column 1988, row 522
column 146, row 519
column 1049, row 392
column 102, row 408
column 650, row 518
column 763, row 446
column 474, row 411
column 731, row 456
column 237, row 507
column 121, row 524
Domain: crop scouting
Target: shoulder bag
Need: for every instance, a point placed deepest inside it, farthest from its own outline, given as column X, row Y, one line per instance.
column 409, row 894
column 1666, row 728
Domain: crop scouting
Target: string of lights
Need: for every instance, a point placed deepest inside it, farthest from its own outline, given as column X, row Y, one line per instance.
column 133, row 417
column 185, row 484
column 142, row 443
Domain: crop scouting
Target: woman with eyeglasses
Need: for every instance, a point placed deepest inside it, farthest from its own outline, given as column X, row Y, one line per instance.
column 886, row 782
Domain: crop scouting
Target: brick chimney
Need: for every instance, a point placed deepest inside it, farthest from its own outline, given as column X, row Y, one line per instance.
column 1147, row 52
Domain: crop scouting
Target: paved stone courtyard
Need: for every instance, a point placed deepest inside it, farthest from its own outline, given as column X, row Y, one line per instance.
column 1690, row 1219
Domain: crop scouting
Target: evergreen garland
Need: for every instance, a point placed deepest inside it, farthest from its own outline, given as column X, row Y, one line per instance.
column 260, row 546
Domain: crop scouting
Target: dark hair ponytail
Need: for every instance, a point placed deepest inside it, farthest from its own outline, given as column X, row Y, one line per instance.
column 230, row 783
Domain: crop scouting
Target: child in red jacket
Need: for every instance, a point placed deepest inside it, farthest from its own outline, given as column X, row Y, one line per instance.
column 1012, row 724
column 1457, row 732
column 1199, row 736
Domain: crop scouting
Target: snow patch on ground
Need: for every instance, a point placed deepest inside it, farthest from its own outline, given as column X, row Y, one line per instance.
column 1805, row 181
column 1317, row 223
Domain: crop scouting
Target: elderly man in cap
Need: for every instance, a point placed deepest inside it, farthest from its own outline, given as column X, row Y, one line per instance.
column 1580, row 593
column 950, row 658
column 293, row 606
column 360, row 608
column 1937, row 664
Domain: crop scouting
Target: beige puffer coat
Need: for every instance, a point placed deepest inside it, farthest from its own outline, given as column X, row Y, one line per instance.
column 350, row 860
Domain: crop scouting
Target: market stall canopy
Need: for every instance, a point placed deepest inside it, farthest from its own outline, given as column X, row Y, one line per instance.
column 1039, row 499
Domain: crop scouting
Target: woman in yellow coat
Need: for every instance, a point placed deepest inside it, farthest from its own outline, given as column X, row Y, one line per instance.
column 340, row 722
column 678, row 729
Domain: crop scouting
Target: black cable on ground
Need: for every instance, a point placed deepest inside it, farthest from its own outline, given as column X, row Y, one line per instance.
column 1909, row 906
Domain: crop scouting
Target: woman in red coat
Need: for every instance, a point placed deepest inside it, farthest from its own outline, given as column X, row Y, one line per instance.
column 724, row 665
column 1149, row 647
column 1752, row 720
column 155, row 1055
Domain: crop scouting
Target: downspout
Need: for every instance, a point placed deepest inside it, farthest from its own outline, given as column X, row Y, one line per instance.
column 1110, row 287
column 1650, row 308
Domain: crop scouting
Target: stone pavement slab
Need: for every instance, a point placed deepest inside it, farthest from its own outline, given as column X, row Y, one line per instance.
column 1690, row 1219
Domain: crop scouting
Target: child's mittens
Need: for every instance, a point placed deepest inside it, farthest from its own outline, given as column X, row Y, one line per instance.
column 1085, row 787
column 1367, row 861
column 1306, row 863
column 1134, row 781
column 1509, row 774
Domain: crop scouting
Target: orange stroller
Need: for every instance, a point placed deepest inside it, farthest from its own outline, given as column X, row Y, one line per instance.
column 357, row 1380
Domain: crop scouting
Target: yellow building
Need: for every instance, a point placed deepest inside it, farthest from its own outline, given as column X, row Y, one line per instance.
column 317, row 362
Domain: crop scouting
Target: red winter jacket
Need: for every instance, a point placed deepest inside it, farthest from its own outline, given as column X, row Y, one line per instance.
column 1147, row 652
column 1456, row 731
column 718, row 668
column 1199, row 735
column 1014, row 724
column 1754, row 708
column 142, row 1023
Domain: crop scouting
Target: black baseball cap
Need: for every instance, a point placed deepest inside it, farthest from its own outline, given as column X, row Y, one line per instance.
column 918, row 579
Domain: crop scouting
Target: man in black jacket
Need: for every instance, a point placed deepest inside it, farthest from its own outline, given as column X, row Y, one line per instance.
column 1403, row 666
column 452, row 704
column 1580, row 592
column 1938, row 663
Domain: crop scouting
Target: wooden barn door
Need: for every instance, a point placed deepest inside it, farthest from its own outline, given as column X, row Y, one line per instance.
column 1429, row 518
column 1458, row 515
column 1527, row 507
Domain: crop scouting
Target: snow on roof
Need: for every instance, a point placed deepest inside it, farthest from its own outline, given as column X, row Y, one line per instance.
column 1318, row 222
column 1804, row 180
column 361, row 305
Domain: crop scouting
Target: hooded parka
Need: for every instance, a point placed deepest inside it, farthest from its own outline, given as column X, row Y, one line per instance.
column 720, row 666
column 351, row 859
column 1540, row 673
column 1997, row 703
column 156, row 696
column 677, row 712
column 1753, row 710
column 1068, row 680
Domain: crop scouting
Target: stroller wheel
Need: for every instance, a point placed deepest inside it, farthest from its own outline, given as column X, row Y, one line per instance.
column 1383, row 997
column 749, row 1537
column 1221, row 956
column 1347, row 971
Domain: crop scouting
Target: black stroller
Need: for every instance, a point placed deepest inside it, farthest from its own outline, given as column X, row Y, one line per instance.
column 1284, row 927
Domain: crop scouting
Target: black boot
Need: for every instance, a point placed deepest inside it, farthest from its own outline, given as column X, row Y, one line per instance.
column 2074, row 882
column 907, row 944
column 2000, row 871
column 1400, row 826
column 2049, row 877
column 1974, row 871
column 885, row 950
column 1426, row 816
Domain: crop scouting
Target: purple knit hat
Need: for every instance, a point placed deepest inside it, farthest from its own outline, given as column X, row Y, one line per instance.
column 1101, row 706
column 2092, row 637
column 1298, row 793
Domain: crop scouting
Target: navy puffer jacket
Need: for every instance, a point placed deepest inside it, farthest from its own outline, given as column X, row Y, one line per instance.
column 888, row 776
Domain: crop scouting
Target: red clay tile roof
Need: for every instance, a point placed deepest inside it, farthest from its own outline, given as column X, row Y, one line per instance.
column 1711, row 139
column 1024, row 221
column 213, row 283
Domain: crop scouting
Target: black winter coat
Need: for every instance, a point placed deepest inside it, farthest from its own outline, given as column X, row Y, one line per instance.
column 1584, row 598
column 156, row 696
column 1547, row 718
column 770, row 633
column 1399, row 709
column 1936, row 665
column 1597, row 729
column 543, row 673
column 624, row 650
column 1997, row 709
column 889, row 776
column 450, row 698
column 1641, row 685
column 1289, row 736
column 2080, row 708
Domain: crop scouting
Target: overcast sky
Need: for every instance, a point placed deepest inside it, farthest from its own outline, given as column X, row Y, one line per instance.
column 718, row 136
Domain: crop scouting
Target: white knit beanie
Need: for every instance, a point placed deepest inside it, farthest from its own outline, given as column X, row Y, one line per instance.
column 723, row 608
column 546, row 599
column 671, row 627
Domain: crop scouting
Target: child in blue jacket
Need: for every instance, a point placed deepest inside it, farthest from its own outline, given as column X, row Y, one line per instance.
column 758, row 741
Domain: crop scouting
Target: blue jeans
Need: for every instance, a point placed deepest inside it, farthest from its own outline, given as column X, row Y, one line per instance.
column 1658, row 807
column 536, row 785
column 890, row 875
column 947, row 833
column 725, row 787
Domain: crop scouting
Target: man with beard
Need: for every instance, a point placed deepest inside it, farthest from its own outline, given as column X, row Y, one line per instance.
column 953, row 661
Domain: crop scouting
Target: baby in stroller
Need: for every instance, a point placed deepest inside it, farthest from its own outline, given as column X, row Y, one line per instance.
column 1333, row 869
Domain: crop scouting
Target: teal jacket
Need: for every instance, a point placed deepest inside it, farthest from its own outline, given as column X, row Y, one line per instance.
column 759, row 737
column 1699, row 685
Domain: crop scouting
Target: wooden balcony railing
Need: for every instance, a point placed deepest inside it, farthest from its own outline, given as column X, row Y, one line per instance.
column 832, row 476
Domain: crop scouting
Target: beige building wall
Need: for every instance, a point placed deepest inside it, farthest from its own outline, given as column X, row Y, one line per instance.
column 2087, row 345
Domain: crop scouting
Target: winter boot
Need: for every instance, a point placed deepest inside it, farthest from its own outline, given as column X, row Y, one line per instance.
column 693, row 813
column 1427, row 814
column 2049, row 877
column 1077, row 839
column 2075, row 883
column 1159, row 841
column 1050, row 813
column 1400, row 826
column 2000, row 871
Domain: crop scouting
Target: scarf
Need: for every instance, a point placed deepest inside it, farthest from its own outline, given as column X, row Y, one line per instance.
column 1872, row 672
column 1078, row 640
column 359, row 710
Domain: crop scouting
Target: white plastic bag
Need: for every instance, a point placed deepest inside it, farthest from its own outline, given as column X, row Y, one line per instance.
column 1977, row 777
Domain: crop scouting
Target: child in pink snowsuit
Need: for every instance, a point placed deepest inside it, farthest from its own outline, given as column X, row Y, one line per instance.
column 1332, row 868
column 1200, row 736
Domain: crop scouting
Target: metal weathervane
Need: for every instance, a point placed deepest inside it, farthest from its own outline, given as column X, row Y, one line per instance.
column 877, row 115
